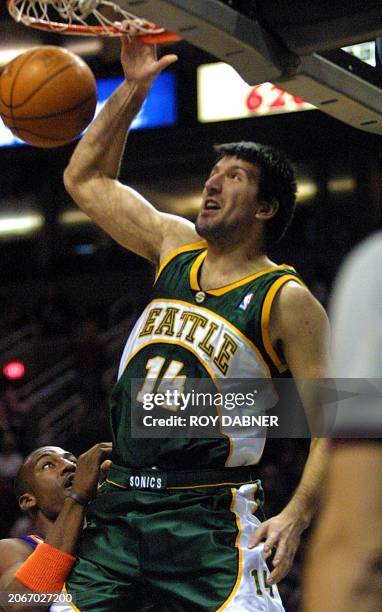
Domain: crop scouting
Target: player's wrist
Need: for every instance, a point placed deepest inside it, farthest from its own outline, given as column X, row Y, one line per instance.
column 299, row 514
column 139, row 86
column 80, row 499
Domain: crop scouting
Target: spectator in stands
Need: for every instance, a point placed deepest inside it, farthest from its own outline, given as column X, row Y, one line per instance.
column 10, row 462
column 14, row 417
column 10, row 456
column 13, row 319
column 54, row 313
column 90, row 362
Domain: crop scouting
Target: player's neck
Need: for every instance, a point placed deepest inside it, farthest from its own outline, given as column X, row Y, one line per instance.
column 43, row 524
column 223, row 267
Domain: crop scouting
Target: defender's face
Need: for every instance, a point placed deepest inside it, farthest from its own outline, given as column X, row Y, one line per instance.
column 52, row 471
column 229, row 198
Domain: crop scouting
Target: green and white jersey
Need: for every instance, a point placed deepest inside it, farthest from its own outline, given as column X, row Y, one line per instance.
column 185, row 334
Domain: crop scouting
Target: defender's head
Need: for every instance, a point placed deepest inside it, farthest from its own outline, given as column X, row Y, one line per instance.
column 43, row 479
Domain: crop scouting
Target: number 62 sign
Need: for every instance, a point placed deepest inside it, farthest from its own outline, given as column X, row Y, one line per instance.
column 223, row 95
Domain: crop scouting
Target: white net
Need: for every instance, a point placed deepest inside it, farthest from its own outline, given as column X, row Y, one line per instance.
column 65, row 16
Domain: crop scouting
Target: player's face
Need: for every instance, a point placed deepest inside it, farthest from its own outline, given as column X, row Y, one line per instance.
column 52, row 472
column 228, row 200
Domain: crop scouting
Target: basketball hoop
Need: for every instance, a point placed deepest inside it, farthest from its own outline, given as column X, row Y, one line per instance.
column 71, row 17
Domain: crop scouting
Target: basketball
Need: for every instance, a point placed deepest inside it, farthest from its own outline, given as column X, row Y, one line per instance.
column 48, row 96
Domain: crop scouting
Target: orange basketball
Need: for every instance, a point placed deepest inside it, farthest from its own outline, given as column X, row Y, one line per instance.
column 48, row 96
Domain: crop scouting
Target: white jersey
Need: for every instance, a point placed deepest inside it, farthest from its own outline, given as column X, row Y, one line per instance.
column 356, row 313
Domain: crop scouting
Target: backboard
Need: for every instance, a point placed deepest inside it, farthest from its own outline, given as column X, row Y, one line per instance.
column 294, row 44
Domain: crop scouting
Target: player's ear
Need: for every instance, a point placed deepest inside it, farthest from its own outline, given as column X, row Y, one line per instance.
column 27, row 502
column 266, row 209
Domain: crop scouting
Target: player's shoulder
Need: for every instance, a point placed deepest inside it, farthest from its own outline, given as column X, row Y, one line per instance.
column 12, row 551
column 296, row 296
column 296, row 306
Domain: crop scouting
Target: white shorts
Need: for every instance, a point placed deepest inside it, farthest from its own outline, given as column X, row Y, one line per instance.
column 251, row 593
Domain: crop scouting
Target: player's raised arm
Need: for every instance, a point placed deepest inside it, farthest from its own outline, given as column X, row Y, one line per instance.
column 92, row 174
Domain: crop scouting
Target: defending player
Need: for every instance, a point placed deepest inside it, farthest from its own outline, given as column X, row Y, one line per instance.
column 348, row 533
column 174, row 524
column 54, row 489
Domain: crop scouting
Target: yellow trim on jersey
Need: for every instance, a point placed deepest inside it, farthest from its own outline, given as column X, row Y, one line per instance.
column 218, row 484
column 231, row 440
column 231, row 448
column 256, row 505
column 228, row 323
column 178, row 343
column 70, row 603
column 240, row 554
column 115, row 484
column 193, row 246
column 194, row 271
column 266, row 315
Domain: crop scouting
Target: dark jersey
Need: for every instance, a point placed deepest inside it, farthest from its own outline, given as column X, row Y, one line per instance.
column 185, row 334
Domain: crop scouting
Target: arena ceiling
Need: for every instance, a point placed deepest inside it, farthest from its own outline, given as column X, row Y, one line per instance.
column 301, row 26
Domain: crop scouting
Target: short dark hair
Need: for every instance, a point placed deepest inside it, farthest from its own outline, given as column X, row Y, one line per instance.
column 21, row 484
column 277, row 181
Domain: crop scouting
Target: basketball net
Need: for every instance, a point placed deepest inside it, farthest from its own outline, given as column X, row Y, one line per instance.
column 71, row 17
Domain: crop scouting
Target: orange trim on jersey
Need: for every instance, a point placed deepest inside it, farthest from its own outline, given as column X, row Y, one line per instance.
column 193, row 246
column 221, row 318
column 222, row 290
column 266, row 315
column 239, row 551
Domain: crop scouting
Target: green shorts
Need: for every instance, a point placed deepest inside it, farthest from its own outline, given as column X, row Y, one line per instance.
column 173, row 549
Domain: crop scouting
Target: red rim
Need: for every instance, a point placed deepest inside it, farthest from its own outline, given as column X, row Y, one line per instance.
column 89, row 30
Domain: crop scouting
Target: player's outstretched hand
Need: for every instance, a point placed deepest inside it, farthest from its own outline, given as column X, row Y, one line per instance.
column 140, row 62
column 89, row 470
column 280, row 534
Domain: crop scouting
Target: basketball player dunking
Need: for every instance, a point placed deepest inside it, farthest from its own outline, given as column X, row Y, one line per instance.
column 186, row 537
